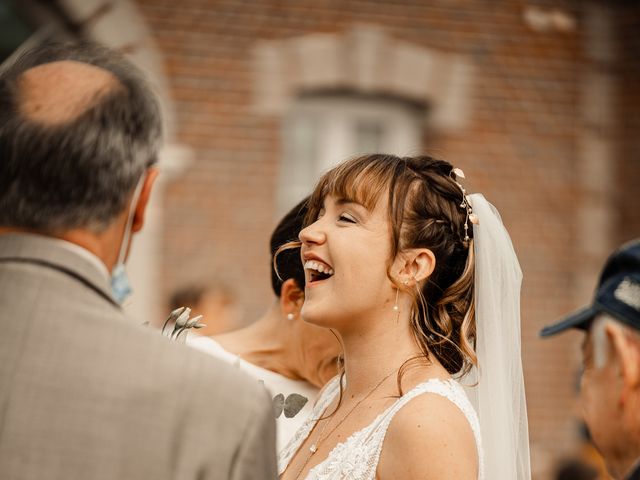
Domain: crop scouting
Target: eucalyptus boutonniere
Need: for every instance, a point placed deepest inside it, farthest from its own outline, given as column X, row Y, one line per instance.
column 181, row 322
column 291, row 405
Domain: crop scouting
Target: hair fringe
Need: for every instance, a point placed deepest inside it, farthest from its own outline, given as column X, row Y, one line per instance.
column 282, row 248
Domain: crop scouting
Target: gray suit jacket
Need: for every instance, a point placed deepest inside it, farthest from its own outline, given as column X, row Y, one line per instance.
column 85, row 393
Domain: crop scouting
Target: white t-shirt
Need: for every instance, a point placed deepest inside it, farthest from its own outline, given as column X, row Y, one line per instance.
column 288, row 395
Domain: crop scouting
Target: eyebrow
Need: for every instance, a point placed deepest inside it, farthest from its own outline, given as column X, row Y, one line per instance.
column 348, row 201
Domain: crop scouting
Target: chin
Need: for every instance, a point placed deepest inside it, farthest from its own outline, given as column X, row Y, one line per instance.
column 311, row 317
column 314, row 315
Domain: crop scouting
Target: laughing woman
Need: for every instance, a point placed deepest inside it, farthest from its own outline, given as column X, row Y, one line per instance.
column 397, row 259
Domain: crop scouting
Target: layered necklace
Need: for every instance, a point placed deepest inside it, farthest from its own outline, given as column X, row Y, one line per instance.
column 322, row 437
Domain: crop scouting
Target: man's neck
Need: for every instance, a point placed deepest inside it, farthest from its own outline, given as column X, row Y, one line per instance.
column 625, row 463
column 103, row 245
column 634, row 471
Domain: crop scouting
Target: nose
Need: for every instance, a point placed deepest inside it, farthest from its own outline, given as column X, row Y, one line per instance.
column 312, row 234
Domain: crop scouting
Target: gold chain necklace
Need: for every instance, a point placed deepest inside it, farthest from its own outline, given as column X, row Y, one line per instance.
column 314, row 446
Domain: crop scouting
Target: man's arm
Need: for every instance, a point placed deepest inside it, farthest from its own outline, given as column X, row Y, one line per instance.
column 256, row 457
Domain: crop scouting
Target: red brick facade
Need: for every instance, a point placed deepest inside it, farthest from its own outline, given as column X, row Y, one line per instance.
column 628, row 102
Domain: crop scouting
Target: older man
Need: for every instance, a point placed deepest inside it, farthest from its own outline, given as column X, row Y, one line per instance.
column 610, row 388
column 85, row 392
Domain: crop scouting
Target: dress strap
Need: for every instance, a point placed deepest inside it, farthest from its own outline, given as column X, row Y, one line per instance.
column 452, row 391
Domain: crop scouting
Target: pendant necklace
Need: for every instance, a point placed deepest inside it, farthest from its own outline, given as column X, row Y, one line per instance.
column 314, row 446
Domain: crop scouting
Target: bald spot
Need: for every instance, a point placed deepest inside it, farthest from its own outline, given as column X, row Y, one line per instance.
column 59, row 92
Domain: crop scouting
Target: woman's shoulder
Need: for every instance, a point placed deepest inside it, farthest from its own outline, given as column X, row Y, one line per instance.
column 432, row 414
column 432, row 428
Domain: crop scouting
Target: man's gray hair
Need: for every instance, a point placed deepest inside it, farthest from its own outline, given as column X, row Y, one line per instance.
column 601, row 343
column 79, row 173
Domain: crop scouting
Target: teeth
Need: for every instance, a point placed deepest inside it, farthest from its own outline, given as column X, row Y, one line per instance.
column 318, row 267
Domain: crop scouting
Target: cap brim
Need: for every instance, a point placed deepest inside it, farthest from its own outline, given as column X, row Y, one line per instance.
column 579, row 319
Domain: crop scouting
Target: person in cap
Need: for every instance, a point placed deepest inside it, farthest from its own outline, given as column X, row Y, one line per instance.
column 610, row 386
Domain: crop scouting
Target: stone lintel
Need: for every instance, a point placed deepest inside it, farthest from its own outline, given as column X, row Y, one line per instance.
column 364, row 60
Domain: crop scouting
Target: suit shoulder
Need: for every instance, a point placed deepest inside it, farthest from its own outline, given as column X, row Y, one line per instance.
column 203, row 374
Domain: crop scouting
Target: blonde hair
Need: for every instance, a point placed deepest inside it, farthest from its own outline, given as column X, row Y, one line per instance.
column 424, row 208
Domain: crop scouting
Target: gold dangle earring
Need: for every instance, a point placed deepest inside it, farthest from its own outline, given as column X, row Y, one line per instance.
column 396, row 307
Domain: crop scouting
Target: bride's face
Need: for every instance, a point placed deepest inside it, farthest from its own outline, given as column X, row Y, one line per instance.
column 345, row 253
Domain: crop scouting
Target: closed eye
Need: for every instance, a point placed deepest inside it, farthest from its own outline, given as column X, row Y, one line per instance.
column 346, row 218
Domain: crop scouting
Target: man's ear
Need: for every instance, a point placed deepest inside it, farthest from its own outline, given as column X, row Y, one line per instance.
column 143, row 200
column 291, row 297
column 626, row 351
column 416, row 265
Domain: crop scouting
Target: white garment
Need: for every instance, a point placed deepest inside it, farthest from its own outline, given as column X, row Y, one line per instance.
column 276, row 384
column 498, row 395
column 357, row 457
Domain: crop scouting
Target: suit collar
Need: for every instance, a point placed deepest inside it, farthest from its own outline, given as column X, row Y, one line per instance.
column 83, row 252
column 47, row 250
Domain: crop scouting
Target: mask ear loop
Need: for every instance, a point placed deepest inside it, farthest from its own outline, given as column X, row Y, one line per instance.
column 127, row 229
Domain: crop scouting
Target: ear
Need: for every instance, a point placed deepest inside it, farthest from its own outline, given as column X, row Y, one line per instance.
column 626, row 349
column 145, row 194
column 416, row 265
column 291, row 297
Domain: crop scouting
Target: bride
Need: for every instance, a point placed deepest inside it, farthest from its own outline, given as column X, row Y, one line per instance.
column 421, row 284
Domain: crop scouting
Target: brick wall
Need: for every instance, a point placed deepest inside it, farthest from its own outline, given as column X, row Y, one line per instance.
column 628, row 102
column 519, row 148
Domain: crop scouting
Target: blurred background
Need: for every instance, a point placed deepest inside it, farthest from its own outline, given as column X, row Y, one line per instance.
column 537, row 101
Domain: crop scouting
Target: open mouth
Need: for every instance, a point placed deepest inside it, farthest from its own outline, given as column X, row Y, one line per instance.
column 318, row 271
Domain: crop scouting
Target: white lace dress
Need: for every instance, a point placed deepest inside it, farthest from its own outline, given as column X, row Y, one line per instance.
column 357, row 457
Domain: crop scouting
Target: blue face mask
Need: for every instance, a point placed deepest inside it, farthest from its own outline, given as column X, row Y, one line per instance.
column 120, row 286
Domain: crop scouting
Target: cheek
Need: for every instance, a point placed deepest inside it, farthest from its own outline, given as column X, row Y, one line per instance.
column 586, row 393
column 598, row 404
column 592, row 393
column 589, row 404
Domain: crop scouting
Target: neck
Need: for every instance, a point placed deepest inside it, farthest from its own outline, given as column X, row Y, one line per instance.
column 268, row 343
column 103, row 245
column 381, row 349
column 623, row 456
column 623, row 464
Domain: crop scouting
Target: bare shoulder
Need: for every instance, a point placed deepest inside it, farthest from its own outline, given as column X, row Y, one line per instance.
column 429, row 439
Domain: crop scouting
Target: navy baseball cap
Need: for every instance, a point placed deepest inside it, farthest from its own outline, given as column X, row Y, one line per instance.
column 618, row 293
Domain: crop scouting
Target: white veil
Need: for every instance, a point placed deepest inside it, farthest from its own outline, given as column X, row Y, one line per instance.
column 499, row 396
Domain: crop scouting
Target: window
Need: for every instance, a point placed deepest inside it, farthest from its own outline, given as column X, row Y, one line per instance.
column 322, row 130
